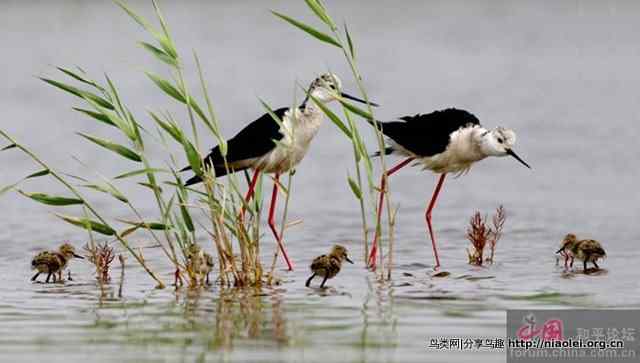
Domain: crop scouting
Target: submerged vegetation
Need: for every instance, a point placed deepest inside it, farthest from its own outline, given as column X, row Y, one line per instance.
column 482, row 236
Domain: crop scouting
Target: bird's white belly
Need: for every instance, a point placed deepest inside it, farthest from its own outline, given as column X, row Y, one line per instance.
column 458, row 157
column 292, row 148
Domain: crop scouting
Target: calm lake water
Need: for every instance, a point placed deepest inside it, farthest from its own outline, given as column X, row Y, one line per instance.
column 564, row 75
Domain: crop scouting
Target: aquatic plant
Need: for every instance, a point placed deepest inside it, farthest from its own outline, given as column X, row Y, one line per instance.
column 175, row 229
column 479, row 234
column 498, row 224
column 343, row 41
column 101, row 256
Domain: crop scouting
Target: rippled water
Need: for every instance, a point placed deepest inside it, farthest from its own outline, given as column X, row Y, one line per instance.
column 563, row 75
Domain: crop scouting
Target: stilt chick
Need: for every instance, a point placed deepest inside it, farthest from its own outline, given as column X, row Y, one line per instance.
column 53, row 262
column 328, row 266
column 586, row 250
column 199, row 264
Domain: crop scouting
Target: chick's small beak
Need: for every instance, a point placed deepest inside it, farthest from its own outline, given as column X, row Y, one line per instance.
column 78, row 256
column 512, row 153
column 348, row 260
column 348, row 96
column 560, row 250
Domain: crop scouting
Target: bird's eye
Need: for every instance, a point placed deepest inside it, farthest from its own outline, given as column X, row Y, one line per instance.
column 500, row 140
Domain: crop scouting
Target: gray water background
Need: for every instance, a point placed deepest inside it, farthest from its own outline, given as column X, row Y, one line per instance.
column 564, row 75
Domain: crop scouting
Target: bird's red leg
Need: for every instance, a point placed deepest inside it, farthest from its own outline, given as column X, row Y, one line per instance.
column 428, row 217
column 383, row 185
column 249, row 195
column 272, row 224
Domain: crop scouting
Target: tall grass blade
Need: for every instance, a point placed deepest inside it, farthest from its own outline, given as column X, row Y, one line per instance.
column 350, row 42
column 320, row 11
column 38, row 174
column 119, row 149
column 309, row 30
column 79, row 93
column 88, row 224
column 51, row 199
column 354, row 188
column 358, row 111
column 108, row 189
column 140, row 172
column 80, row 78
column 160, row 54
column 167, row 87
column 96, row 115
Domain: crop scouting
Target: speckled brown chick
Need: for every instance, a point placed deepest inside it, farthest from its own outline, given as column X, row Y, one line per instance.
column 53, row 262
column 328, row 266
column 586, row 250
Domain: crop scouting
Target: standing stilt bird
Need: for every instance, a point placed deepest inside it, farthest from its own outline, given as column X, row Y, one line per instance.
column 266, row 147
column 446, row 141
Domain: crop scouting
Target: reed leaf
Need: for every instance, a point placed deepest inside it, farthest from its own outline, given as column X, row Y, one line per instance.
column 349, row 42
column 167, row 87
column 80, row 78
column 358, row 111
column 309, row 30
column 321, row 12
column 140, row 172
column 38, row 174
column 160, row 54
column 96, row 115
column 79, row 93
column 153, row 188
column 119, row 149
column 156, row 226
column 88, row 224
column 354, row 187
column 52, row 199
column 108, row 189
column 170, row 128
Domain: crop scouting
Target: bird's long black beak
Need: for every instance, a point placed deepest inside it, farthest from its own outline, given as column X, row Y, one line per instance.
column 512, row 153
column 348, row 260
column 348, row 96
column 78, row 256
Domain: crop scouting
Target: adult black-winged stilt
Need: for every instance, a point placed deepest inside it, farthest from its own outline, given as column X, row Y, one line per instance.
column 446, row 141
column 265, row 147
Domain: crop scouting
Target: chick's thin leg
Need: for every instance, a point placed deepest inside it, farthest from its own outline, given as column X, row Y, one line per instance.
column 309, row 280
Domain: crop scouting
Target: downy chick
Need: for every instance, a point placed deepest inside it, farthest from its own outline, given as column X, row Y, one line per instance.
column 328, row 266
column 53, row 262
column 586, row 250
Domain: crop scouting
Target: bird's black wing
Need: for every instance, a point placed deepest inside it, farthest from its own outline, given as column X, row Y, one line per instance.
column 255, row 140
column 427, row 134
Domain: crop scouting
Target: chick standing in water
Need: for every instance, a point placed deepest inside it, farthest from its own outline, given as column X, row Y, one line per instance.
column 586, row 250
column 53, row 262
column 199, row 263
column 328, row 266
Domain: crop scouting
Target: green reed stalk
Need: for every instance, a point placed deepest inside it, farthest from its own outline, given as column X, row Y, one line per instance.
column 348, row 50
